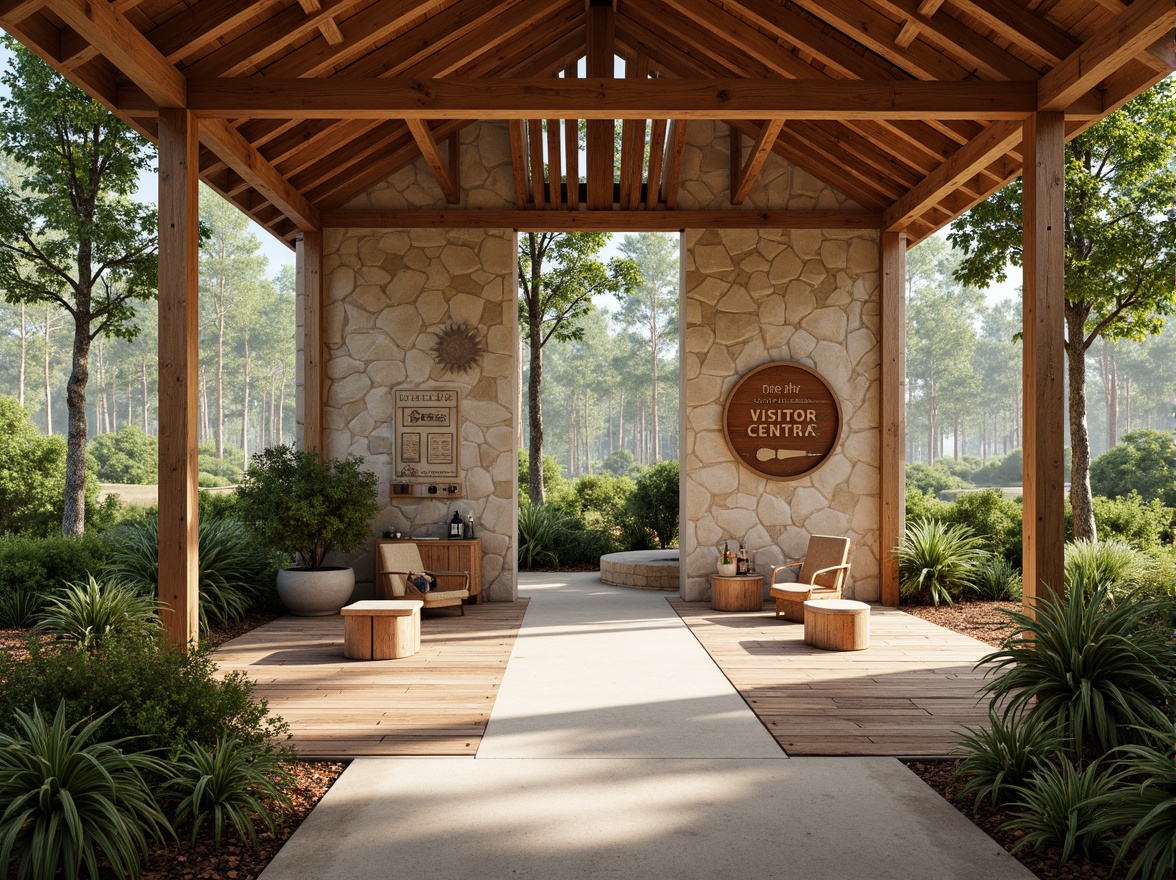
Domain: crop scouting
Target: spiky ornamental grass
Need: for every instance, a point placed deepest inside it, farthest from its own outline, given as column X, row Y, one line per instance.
column 1095, row 671
column 63, row 796
column 234, row 783
column 998, row 579
column 1115, row 566
column 999, row 758
column 937, row 561
column 1058, row 806
column 96, row 612
column 542, row 530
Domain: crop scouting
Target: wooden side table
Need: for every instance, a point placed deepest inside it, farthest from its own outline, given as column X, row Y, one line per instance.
column 447, row 554
column 382, row 629
column 738, row 593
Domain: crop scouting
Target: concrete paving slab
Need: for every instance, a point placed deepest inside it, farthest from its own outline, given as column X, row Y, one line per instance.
column 597, row 819
column 600, row 671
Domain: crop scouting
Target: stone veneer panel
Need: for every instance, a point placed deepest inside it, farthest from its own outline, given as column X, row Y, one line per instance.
column 752, row 297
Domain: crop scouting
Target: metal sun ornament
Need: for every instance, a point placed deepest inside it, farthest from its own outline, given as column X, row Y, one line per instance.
column 458, row 348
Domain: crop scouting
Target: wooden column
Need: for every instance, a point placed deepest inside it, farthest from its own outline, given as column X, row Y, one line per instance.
column 892, row 464
column 1044, row 356
column 309, row 282
column 600, row 146
column 179, row 357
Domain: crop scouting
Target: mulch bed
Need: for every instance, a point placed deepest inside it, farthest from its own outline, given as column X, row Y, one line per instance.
column 983, row 621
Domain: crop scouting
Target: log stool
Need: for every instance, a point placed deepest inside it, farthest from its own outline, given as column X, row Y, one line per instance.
column 837, row 624
column 737, row 593
column 382, row 629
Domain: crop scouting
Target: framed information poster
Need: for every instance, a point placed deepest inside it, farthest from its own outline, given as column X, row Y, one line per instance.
column 428, row 435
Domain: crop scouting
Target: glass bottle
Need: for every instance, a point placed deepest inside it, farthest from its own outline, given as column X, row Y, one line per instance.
column 741, row 562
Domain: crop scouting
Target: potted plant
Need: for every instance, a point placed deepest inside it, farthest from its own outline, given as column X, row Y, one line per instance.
column 304, row 506
column 726, row 566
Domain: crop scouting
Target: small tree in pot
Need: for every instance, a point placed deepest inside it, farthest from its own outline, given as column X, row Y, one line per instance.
column 304, row 506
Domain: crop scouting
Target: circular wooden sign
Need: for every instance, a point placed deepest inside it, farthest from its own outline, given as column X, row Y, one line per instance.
column 782, row 420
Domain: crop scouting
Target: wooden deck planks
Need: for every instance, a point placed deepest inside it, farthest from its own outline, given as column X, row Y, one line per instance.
column 909, row 694
column 436, row 702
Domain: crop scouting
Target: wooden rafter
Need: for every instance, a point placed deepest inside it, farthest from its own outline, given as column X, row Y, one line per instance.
column 535, row 149
column 657, row 146
column 633, row 143
column 572, row 150
column 518, row 155
column 600, row 49
column 672, row 166
column 606, row 220
column 751, row 168
column 433, row 158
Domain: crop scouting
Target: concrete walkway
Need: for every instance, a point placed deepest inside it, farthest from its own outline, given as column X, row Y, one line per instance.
column 616, row 749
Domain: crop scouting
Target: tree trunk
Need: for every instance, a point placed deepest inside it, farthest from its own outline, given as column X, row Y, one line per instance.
column 281, row 405
column 245, row 405
column 1080, row 499
column 74, row 518
column 621, row 421
column 23, row 349
column 48, row 387
column 204, row 431
column 656, row 440
column 955, row 442
column 535, row 420
column 220, row 385
column 146, row 400
column 1110, row 380
column 1126, row 405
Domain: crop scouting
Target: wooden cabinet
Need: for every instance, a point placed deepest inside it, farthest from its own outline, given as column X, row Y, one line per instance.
column 447, row 555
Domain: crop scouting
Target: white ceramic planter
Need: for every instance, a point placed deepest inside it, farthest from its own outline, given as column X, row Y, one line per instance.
column 315, row 592
column 727, row 569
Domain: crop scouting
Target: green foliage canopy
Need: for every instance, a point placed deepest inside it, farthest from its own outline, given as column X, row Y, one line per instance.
column 1144, row 462
column 128, row 456
column 32, row 474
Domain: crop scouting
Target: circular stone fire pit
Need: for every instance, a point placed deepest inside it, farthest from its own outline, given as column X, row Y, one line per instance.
column 641, row 569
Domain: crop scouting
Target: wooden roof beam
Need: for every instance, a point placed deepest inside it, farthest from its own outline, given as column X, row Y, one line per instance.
column 200, row 25
column 100, row 23
column 571, row 221
column 1144, row 22
column 603, row 99
column 237, row 153
column 535, row 147
column 633, row 142
column 657, row 148
column 518, row 156
column 754, row 163
column 572, row 149
column 672, row 166
column 997, row 140
column 599, row 66
column 436, row 162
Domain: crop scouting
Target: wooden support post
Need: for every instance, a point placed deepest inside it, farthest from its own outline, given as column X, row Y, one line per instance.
column 309, row 280
column 1044, row 354
column 600, row 147
column 572, row 150
column 179, row 357
column 893, row 428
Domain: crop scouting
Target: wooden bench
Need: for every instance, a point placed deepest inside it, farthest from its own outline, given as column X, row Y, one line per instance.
column 837, row 624
column 382, row 629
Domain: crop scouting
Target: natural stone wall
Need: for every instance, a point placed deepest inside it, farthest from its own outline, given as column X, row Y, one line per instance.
column 752, row 297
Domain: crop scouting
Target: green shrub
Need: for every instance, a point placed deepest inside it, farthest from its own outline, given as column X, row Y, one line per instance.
column 152, row 689
column 229, row 468
column 64, row 796
column 130, row 456
column 1145, row 804
column 1006, row 471
column 235, row 573
column 1097, row 671
column 45, row 565
column 205, row 480
column 999, row 758
column 93, row 613
column 1114, row 566
column 621, row 463
column 299, row 504
column 556, row 488
column 1143, row 524
column 1058, row 807
column 231, row 782
column 1143, row 462
column 218, row 505
column 20, row 608
column 32, row 475
column 602, row 499
column 932, row 479
column 654, row 503
column 997, row 580
column 543, row 532
column 921, row 505
column 936, row 562
column 988, row 515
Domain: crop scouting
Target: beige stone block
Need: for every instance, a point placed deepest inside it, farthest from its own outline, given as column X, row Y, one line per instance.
column 801, row 345
column 776, row 340
column 501, row 438
column 362, row 425
column 403, row 324
column 740, row 241
column 465, row 308
column 333, row 324
column 690, row 366
column 380, row 442
column 736, row 522
column 772, row 510
column 349, row 389
column 341, row 366
column 371, row 346
column 814, row 272
column 862, row 447
column 431, row 306
column 832, row 473
column 707, row 531
column 707, row 290
column 756, row 538
column 333, row 419
column 712, row 259
column 371, row 298
column 772, row 309
column 733, row 328
column 758, row 285
column 827, row 324
column 340, row 283
column 478, row 485
column 753, row 354
column 418, row 366
column 805, row 502
column 835, row 254
column 460, row 260
column 701, row 391
column 718, row 479
column 828, row 522
column 799, row 302
column 860, row 343
column 486, row 412
column 711, row 448
column 389, row 373
column 736, row 300
column 699, row 339
column 501, row 339
column 718, row 363
column 865, row 513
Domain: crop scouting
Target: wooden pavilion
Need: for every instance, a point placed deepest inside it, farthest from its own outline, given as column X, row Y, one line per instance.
column 912, row 109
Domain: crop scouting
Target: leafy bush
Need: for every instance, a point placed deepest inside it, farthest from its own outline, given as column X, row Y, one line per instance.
column 936, row 562
column 1143, row 524
column 932, row 479
column 299, row 504
column 602, row 499
column 235, row 573
column 229, row 468
column 45, row 565
column 1115, row 566
column 230, row 782
column 987, row 514
column 130, row 456
column 920, row 506
column 1143, row 462
column 152, row 689
column 63, row 796
column 93, row 613
column 1095, row 670
column 32, row 475
column 1145, row 803
column 1006, row 471
column 205, row 480
column 555, row 486
column 654, row 503
column 998, row 580
column 621, row 463
column 1058, row 807
column 543, row 531
column 218, row 505
column 999, row 758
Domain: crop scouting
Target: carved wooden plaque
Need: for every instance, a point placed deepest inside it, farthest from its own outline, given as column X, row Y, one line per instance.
column 427, row 435
column 782, row 420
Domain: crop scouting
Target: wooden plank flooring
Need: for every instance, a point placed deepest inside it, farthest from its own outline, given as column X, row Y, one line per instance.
column 908, row 694
column 436, row 702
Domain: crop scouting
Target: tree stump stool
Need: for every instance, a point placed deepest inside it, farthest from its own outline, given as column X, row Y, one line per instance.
column 382, row 629
column 837, row 624
column 737, row 593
